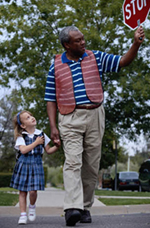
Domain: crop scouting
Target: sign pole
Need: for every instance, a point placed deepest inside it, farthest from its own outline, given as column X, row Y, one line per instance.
column 138, row 23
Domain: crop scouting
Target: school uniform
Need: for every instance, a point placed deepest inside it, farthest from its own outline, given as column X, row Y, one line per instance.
column 28, row 174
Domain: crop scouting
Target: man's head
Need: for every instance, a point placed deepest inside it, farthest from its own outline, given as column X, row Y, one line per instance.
column 73, row 41
column 64, row 36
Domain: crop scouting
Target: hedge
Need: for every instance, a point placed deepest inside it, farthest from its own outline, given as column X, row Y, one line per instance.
column 5, row 179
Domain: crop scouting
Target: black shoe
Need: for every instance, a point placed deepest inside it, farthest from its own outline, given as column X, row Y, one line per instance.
column 85, row 217
column 72, row 216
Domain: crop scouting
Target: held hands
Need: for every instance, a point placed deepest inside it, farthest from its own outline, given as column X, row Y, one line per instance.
column 55, row 136
column 57, row 142
column 139, row 35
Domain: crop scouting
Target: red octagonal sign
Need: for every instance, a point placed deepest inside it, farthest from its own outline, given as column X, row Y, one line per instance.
column 135, row 11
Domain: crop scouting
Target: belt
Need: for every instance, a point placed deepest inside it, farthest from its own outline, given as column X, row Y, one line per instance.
column 87, row 106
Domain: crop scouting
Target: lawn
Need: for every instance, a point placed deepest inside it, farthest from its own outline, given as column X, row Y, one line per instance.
column 8, row 199
column 117, row 201
column 121, row 193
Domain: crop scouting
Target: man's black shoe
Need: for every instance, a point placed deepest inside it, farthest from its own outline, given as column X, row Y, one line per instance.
column 72, row 216
column 85, row 217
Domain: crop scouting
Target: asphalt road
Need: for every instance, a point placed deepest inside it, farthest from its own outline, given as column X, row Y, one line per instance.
column 102, row 221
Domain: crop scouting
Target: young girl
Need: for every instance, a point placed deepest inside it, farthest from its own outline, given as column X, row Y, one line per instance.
column 28, row 175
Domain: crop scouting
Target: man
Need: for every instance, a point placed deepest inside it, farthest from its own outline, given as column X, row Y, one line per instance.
column 74, row 86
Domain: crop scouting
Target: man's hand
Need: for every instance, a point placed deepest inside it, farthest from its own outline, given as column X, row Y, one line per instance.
column 55, row 136
column 132, row 52
column 51, row 111
column 139, row 35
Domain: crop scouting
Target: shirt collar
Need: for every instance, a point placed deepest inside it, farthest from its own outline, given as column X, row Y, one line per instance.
column 36, row 132
column 64, row 58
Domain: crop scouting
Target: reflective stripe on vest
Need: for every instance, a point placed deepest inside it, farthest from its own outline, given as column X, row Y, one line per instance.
column 64, row 83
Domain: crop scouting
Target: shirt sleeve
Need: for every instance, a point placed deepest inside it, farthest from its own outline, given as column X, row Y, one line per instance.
column 50, row 92
column 107, row 62
column 47, row 140
column 19, row 142
column 110, row 62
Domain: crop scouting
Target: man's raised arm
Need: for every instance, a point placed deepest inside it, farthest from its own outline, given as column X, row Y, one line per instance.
column 132, row 52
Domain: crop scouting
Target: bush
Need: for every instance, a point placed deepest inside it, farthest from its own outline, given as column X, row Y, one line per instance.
column 55, row 176
column 5, row 179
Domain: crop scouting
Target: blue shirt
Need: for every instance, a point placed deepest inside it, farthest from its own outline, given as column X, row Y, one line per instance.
column 106, row 63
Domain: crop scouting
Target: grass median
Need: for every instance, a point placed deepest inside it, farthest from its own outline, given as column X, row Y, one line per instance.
column 8, row 197
column 120, row 201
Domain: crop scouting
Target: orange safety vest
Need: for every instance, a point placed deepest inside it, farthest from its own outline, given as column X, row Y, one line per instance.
column 64, row 83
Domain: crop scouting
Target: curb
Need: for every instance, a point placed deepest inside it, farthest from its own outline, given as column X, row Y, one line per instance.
column 58, row 211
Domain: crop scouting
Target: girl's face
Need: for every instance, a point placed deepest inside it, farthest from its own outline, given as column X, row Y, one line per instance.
column 27, row 120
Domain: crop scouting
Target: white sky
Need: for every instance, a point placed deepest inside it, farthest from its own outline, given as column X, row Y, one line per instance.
column 131, row 147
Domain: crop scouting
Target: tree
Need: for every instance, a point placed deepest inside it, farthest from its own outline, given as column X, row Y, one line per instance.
column 31, row 30
column 7, row 158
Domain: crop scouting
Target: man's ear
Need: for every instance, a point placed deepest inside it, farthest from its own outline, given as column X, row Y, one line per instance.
column 66, row 45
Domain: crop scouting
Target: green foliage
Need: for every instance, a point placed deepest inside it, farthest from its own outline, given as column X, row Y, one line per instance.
column 54, row 160
column 31, row 40
column 5, row 179
column 108, row 153
column 139, row 158
column 55, row 176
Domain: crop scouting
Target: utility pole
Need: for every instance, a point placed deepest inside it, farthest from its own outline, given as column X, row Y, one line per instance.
column 128, row 163
column 115, row 148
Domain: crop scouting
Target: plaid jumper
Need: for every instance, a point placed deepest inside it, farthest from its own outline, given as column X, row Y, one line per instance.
column 28, row 172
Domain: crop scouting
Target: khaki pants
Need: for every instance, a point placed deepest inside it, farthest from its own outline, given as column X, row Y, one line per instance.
column 81, row 132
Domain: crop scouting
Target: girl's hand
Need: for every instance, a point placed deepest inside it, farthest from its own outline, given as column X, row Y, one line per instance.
column 57, row 142
column 39, row 140
column 27, row 148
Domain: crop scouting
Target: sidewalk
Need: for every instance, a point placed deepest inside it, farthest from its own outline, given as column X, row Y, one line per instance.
column 50, row 203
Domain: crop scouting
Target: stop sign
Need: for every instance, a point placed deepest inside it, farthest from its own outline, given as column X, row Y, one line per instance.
column 134, row 10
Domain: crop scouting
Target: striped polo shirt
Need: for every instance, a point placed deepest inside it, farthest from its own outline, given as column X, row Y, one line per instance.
column 106, row 63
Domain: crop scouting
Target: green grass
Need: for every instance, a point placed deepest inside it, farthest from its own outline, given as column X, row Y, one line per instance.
column 116, row 202
column 121, row 193
column 8, row 199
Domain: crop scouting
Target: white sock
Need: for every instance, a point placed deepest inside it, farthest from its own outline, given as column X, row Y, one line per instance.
column 23, row 214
